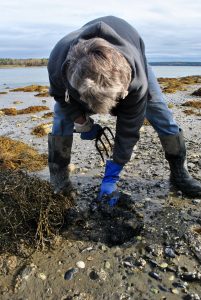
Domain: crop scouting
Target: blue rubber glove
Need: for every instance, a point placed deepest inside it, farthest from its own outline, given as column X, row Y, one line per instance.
column 91, row 134
column 108, row 186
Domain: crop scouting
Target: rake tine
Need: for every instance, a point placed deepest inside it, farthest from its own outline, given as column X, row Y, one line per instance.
column 110, row 131
column 106, row 137
column 99, row 140
column 105, row 148
column 98, row 149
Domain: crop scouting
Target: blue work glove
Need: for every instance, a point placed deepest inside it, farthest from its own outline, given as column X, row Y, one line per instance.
column 91, row 134
column 108, row 186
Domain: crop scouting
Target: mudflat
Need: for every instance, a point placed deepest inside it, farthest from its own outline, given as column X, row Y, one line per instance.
column 148, row 247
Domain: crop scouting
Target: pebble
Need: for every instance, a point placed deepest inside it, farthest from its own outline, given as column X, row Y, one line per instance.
column 107, row 265
column 163, row 265
column 141, row 262
column 192, row 297
column 87, row 249
column 17, row 102
column 163, row 288
column 175, row 291
column 71, row 168
column 180, row 284
column 170, row 252
column 80, row 264
column 11, row 262
column 171, row 278
column 70, row 273
column 129, row 264
column 27, row 271
column 42, row 276
column 154, row 291
column 102, row 275
column 191, row 276
column 103, row 248
column 196, row 201
column 155, row 275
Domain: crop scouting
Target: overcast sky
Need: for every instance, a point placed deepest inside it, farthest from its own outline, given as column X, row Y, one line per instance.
column 171, row 29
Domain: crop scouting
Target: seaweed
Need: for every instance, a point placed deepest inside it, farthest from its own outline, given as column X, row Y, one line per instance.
column 18, row 155
column 29, row 211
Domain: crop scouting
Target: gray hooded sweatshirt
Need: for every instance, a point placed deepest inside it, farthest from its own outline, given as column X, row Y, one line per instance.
column 130, row 111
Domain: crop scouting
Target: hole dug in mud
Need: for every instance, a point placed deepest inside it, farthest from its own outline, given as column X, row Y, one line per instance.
column 109, row 225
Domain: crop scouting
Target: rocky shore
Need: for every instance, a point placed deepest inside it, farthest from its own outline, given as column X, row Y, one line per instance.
column 149, row 247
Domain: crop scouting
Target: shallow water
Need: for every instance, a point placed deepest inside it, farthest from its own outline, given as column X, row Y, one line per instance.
column 16, row 77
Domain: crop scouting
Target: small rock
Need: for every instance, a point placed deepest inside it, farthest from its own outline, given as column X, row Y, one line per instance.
column 192, row 297
column 89, row 258
column 191, row 276
column 196, row 201
column 70, row 273
column 180, row 284
column 42, row 276
column 17, row 102
column 155, row 275
column 129, row 264
column 163, row 288
column 107, row 265
column 71, row 168
column 87, row 249
column 103, row 247
column 141, row 262
column 179, row 193
column 154, row 291
column 80, row 264
column 171, row 278
column 102, row 275
column 27, row 272
column 11, row 262
column 163, row 265
column 175, row 291
column 170, row 252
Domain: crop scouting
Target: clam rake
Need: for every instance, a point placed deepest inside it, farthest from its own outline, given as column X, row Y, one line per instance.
column 102, row 147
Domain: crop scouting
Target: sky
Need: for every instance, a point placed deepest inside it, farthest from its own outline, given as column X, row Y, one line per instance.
column 171, row 29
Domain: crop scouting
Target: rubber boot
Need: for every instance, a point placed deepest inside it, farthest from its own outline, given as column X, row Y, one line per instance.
column 175, row 153
column 59, row 154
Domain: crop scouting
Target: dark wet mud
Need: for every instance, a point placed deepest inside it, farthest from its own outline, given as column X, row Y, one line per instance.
column 148, row 247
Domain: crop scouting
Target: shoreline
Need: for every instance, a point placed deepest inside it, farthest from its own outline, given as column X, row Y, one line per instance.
column 19, row 66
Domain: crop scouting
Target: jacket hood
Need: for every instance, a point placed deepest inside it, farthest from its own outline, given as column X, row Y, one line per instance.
column 131, row 53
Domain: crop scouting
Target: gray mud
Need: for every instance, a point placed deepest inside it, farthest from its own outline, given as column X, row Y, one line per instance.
column 149, row 247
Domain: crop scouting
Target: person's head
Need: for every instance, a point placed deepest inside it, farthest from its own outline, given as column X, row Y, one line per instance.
column 99, row 72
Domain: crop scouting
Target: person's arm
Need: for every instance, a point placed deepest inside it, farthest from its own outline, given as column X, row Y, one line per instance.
column 130, row 117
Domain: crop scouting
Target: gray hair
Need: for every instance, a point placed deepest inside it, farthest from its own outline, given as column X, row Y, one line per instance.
column 99, row 72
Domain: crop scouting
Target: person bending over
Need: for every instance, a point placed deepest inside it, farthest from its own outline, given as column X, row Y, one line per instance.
column 101, row 68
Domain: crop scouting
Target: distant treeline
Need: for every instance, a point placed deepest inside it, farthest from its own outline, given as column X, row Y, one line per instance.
column 23, row 62
column 175, row 63
column 43, row 62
